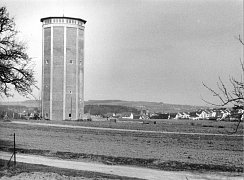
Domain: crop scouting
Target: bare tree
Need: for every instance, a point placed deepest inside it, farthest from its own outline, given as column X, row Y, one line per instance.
column 233, row 96
column 16, row 70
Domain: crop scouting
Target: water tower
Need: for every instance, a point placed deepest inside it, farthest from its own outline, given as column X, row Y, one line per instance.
column 62, row 68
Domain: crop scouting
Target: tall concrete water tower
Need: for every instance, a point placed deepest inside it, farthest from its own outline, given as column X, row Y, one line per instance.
column 62, row 68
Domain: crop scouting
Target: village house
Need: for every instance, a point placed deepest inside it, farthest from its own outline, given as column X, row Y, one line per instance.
column 194, row 116
column 182, row 115
column 179, row 115
column 225, row 113
column 204, row 114
column 127, row 116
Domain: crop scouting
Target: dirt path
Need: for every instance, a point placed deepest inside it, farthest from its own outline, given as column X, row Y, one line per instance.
column 124, row 130
column 143, row 173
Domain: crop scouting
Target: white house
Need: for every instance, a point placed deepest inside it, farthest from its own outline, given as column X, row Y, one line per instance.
column 128, row 116
column 225, row 113
column 182, row 115
column 194, row 116
column 204, row 114
column 186, row 115
column 178, row 115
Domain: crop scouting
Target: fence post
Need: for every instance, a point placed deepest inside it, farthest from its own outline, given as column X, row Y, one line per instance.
column 14, row 152
column 13, row 155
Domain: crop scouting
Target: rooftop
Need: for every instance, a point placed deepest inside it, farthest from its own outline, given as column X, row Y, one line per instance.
column 63, row 17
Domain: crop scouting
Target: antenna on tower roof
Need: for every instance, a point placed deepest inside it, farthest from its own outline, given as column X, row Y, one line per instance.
column 63, row 7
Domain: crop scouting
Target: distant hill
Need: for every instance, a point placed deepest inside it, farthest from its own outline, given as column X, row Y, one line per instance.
column 102, row 109
column 139, row 105
column 151, row 106
column 28, row 103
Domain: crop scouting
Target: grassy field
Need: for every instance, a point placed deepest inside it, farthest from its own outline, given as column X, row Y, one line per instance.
column 155, row 150
column 171, row 125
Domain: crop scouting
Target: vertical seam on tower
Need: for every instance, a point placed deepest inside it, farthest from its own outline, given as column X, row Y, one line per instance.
column 64, row 91
column 81, row 97
column 77, row 66
column 82, row 68
column 42, row 90
column 51, row 77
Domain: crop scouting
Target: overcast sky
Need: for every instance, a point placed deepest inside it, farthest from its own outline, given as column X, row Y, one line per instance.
column 149, row 50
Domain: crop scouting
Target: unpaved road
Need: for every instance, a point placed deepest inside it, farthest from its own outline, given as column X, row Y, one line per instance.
column 143, row 173
column 125, row 130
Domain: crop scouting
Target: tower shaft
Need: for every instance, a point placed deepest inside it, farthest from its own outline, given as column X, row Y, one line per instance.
column 63, row 68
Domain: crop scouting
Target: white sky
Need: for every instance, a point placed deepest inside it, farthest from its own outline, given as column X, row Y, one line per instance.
column 149, row 50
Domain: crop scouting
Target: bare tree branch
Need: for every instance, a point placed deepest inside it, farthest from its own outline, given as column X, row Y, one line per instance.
column 240, row 39
column 235, row 96
column 16, row 72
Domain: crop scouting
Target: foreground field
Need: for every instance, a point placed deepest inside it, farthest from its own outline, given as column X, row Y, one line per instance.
column 24, row 171
column 47, row 176
column 155, row 150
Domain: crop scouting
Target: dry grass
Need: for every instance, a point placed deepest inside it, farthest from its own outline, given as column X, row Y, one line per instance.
column 34, row 171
